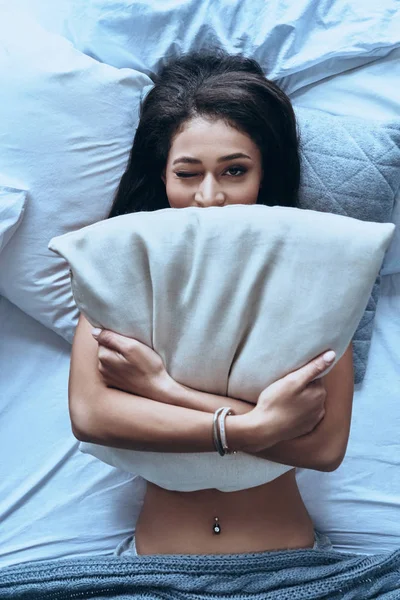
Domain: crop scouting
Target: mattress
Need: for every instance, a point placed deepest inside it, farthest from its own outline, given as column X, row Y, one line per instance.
column 57, row 502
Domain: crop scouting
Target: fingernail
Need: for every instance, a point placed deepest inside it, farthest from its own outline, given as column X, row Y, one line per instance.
column 329, row 356
column 96, row 331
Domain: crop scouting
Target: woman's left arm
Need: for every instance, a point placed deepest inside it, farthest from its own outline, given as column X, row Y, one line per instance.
column 327, row 443
column 322, row 449
column 124, row 365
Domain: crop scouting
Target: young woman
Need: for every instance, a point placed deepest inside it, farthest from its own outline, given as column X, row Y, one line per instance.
column 213, row 132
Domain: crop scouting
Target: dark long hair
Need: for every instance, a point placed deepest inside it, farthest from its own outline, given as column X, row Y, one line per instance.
column 215, row 85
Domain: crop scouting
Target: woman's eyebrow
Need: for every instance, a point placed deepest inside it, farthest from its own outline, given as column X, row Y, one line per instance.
column 187, row 159
column 233, row 156
column 191, row 161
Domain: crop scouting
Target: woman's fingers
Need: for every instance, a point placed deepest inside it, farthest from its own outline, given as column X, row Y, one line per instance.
column 113, row 341
column 107, row 361
column 111, row 366
column 306, row 374
column 106, row 355
column 129, row 365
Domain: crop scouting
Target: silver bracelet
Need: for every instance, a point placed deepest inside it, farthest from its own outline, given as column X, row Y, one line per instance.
column 216, row 437
column 222, row 432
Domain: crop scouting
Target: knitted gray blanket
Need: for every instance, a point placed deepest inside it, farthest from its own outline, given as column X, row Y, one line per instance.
column 286, row 575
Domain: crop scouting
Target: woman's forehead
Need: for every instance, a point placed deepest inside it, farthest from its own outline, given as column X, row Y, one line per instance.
column 216, row 137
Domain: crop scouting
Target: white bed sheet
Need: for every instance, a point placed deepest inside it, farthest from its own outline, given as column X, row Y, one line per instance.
column 56, row 502
column 358, row 505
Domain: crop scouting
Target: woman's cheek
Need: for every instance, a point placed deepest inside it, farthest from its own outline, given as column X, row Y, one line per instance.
column 177, row 197
column 184, row 203
column 247, row 194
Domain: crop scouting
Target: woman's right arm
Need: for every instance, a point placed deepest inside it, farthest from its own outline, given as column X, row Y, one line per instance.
column 107, row 416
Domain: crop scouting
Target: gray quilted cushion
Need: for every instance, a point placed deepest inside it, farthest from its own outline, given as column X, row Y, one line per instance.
column 350, row 167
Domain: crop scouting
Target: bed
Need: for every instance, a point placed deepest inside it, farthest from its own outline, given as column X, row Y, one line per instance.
column 56, row 502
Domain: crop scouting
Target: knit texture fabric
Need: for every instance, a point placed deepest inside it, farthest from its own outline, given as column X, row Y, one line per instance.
column 353, row 170
column 282, row 575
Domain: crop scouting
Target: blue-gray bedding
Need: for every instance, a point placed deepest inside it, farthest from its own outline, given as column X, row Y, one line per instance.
column 286, row 575
column 350, row 167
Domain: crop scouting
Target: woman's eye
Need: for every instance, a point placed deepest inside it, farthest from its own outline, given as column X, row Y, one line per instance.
column 235, row 171
column 185, row 174
column 231, row 172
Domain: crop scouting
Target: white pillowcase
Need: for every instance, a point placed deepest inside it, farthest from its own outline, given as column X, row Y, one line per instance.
column 307, row 40
column 66, row 124
column 232, row 299
column 12, row 204
column 49, row 14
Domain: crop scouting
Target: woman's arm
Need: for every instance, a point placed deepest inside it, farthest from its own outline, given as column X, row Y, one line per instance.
column 130, row 366
column 115, row 418
column 111, row 417
column 321, row 449
column 327, row 443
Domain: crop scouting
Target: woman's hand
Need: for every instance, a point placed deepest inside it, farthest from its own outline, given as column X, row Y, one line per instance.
column 130, row 366
column 290, row 407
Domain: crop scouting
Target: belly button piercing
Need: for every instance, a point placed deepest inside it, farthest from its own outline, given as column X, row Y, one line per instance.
column 216, row 526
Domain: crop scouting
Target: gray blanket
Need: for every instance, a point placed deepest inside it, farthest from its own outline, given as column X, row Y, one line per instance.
column 286, row 575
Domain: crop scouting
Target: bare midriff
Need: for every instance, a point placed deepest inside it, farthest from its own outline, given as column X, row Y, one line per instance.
column 268, row 517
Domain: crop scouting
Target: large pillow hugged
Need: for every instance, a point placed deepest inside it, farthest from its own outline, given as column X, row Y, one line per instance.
column 232, row 299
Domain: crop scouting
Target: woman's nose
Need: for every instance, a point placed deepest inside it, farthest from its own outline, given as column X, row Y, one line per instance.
column 209, row 194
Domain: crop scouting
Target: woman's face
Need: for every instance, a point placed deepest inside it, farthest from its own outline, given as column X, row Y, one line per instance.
column 211, row 163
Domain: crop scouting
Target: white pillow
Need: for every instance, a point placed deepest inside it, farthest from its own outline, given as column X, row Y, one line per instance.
column 12, row 204
column 49, row 14
column 232, row 299
column 66, row 124
column 302, row 41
